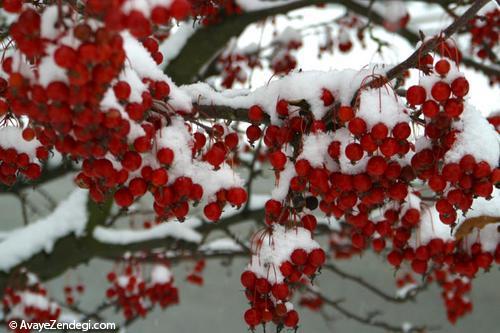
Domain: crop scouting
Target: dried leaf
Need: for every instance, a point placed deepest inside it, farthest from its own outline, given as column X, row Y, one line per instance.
column 475, row 222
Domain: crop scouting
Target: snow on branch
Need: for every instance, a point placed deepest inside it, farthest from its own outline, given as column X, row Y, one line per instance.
column 173, row 229
column 21, row 244
column 308, row 85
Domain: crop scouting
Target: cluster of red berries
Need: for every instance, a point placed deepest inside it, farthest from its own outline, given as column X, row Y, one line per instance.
column 455, row 183
column 14, row 163
column 30, row 304
column 196, row 276
column 269, row 285
column 69, row 291
column 232, row 67
column 455, row 292
column 137, row 296
column 101, row 112
column 269, row 300
column 485, row 34
column 283, row 60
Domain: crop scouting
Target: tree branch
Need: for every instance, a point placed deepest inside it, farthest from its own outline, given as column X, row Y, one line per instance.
column 409, row 296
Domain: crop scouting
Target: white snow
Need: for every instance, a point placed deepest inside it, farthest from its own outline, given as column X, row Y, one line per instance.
column 381, row 106
column 276, row 248
column 12, row 137
column 160, row 274
column 172, row 46
column 317, row 149
column 172, row 229
column 305, row 85
column 221, row 245
column 477, row 137
column 70, row 216
column 177, row 138
column 280, row 190
column 254, row 5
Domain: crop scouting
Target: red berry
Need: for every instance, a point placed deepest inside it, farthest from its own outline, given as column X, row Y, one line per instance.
column 252, row 317
column 440, row 91
column 395, row 258
column 162, row 89
column 165, row 156
column 13, row 6
column 309, row 222
column 278, row 160
column 442, row 67
column 159, row 177
column 123, row 197
column 401, row 131
column 237, row 196
column 212, row 211
column 357, row 126
column 334, row 149
column 291, row 319
column 180, row 9
column 379, row 131
column 28, row 134
column 282, row 108
column 376, row 166
column 160, row 15
column 299, row 257
column 215, row 156
column 460, row 87
column 346, row 113
column 453, row 107
column 256, row 114
column 280, row 291
column 253, row 133
column 415, row 95
column 231, row 141
column 430, row 109
column 327, row 97
column 303, row 168
column 248, row 279
column 317, row 257
column 131, row 160
column 419, row 266
column 65, row 56
column 354, row 151
column 138, row 187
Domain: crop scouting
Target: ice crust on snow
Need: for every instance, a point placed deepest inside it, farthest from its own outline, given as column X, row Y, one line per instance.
column 69, row 217
column 275, row 248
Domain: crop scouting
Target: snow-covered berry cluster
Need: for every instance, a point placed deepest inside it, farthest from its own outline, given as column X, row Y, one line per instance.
column 136, row 296
column 281, row 259
column 20, row 154
column 30, row 303
column 95, row 94
column 447, row 159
